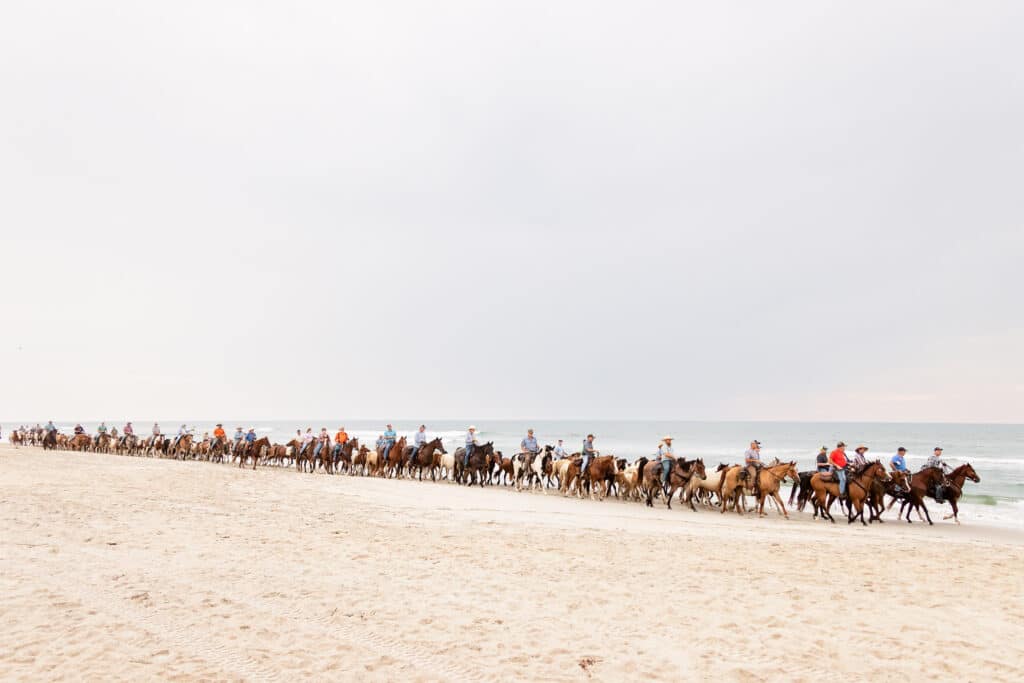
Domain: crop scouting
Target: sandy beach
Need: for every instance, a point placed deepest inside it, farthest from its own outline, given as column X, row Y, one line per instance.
column 133, row 568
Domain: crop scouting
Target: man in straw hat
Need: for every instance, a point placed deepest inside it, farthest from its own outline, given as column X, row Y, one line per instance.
column 666, row 454
column 471, row 443
column 858, row 461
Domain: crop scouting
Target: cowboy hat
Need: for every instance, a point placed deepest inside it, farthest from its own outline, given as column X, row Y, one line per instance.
column 472, row 428
column 666, row 438
column 860, row 449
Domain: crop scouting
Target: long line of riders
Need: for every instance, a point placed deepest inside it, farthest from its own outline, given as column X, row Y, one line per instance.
column 858, row 485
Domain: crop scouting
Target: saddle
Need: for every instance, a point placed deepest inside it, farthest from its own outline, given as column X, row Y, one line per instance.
column 826, row 476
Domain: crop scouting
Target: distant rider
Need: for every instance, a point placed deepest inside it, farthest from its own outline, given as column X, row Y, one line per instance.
column 752, row 459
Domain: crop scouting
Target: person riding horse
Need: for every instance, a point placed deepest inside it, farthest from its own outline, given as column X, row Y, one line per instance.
column 389, row 441
column 752, row 459
column 935, row 460
column 418, row 440
column 666, row 456
column 589, row 453
column 471, row 443
column 838, row 460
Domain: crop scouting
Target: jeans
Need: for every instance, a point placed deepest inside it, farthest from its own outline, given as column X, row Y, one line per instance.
column 465, row 457
column 387, row 449
column 666, row 470
column 415, row 451
column 586, row 461
column 841, row 476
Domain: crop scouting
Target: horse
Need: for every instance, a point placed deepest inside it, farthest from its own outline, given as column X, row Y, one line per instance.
column 769, row 480
column 479, row 463
column 952, row 489
column 920, row 484
column 50, row 440
column 536, row 468
column 428, row 456
column 679, row 475
column 103, row 443
column 253, row 450
column 703, row 487
column 183, row 447
column 217, row 450
column 601, row 476
column 858, row 488
column 341, row 455
column 80, row 442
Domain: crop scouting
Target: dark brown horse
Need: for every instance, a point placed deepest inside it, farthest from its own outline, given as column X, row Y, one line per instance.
column 478, row 465
column 428, row 456
column 950, row 487
column 342, row 455
column 858, row 488
column 254, row 450
column 678, row 477
column 920, row 484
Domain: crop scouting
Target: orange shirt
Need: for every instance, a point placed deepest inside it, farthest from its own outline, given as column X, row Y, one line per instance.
column 341, row 437
column 218, row 433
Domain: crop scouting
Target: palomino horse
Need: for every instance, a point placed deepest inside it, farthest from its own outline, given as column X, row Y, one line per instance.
column 428, row 456
column 701, row 488
column 734, row 483
column 479, row 462
column 858, row 489
column 952, row 488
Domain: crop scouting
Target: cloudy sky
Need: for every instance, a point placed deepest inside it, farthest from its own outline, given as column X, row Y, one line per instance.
column 734, row 210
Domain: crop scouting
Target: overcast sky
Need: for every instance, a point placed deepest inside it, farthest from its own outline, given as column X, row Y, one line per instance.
column 732, row 210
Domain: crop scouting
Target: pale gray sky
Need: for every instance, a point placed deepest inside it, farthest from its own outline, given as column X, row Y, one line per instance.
column 465, row 209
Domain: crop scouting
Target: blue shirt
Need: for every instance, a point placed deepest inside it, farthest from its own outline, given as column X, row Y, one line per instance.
column 560, row 452
column 420, row 438
column 588, row 447
column 250, row 437
column 470, row 438
column 389, row 436
column 530, row 444
column 898, row 463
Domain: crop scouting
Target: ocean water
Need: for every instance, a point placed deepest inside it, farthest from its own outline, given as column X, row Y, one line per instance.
column 993, row 450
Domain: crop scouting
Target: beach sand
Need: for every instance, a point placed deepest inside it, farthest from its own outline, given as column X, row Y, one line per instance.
column 134, row 568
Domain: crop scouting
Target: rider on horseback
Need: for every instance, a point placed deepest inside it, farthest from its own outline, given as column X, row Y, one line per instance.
column 389, row 442
column 417, row 443
column 898, row 463
column 471, row 443
column 838, row 460
column 528, row 446
column 219, row 435
column 752, row 459
column 821, row 462
column 588, row 454
column 935, row 460
column 666, row 455
column 859, row 462
column 560, row 451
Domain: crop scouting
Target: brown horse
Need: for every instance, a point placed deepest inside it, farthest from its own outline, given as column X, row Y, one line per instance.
column 951, row 488
column 359, row 461
column 768, row 482
column 183, row 447
column 920, row 484
column 342, row 455
column 103, row 443
column 858, row 489
column 253, row 450
column 428, row 456
column 601, row 476
column 396, row 458
column 681, row 471
column 80, row 442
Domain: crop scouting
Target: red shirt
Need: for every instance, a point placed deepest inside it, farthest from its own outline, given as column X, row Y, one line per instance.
column 838, row 458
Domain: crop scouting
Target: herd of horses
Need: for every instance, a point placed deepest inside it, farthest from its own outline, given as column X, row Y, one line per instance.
column 727, row 487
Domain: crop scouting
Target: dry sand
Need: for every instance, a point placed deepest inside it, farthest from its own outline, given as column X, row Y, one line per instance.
column 132, row 568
